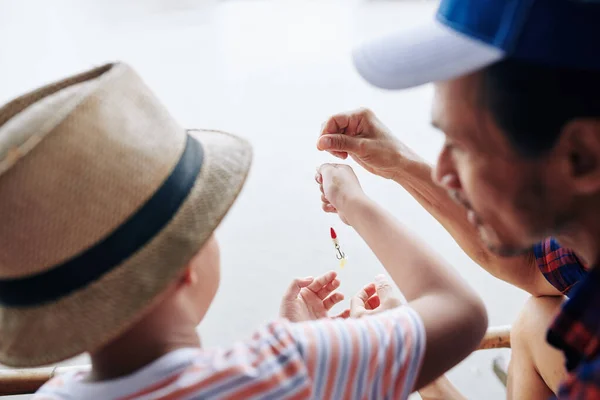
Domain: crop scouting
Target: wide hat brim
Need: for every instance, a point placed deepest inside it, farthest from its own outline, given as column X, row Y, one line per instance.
column 92, row 316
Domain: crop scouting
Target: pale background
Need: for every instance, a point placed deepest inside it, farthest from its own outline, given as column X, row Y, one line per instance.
column 272, row 71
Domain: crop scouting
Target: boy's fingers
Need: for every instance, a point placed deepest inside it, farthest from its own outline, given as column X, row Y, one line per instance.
column 344, row 314
column 318, row 178
column 367, row 291
column 297, row 284
column 322, row 281
column 357, row 306
column 373, row 302
column 359, row 301
column 328, row 289
column 328, row 208
column 385, row 290
column 332, row 300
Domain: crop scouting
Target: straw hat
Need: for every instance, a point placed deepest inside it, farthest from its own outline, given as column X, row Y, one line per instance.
column 104, row 199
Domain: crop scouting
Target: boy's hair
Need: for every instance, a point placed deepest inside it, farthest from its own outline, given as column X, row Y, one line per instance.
column 532, row 103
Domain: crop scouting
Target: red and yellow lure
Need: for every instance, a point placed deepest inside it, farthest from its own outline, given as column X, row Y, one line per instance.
column 339, row 254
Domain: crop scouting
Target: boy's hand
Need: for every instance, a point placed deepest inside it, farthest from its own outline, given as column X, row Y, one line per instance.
column 339, row 187
column 309, row 299
column 375, row 298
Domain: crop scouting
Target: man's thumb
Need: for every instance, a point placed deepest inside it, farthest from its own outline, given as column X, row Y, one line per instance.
column 338, row 142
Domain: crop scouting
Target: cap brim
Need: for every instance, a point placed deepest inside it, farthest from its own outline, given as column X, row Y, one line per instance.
column 429, row 53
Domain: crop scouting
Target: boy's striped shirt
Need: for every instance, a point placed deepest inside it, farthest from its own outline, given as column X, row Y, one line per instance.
column 375, row 357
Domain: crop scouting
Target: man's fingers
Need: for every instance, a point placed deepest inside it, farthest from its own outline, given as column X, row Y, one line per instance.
column 332, row 300
column 336, row 124
column 339, row 154
column 297, row 284
column 322, row 281
column 328, row 289
column 347, row 122
column 340, row 143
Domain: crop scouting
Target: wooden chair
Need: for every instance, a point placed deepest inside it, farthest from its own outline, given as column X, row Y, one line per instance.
column 443, row 389
column 27, row 381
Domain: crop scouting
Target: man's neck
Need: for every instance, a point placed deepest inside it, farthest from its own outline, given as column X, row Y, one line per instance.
column 584, row 237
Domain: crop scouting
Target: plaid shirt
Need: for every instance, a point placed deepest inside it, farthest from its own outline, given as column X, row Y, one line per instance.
column 560, row 266
column 576, row 329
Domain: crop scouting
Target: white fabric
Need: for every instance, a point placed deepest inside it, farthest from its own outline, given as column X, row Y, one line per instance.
column 72, row 386
column 429, row 53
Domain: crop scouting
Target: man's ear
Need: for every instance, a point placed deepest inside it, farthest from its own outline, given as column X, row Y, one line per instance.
column 580, row 140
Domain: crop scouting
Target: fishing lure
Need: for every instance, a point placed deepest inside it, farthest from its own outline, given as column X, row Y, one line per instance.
column 339, row 254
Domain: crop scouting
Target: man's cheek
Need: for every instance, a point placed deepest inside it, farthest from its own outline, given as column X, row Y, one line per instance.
column 484, row 198
column 474, row 187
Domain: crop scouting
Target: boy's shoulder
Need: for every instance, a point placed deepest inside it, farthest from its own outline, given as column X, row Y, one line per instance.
column 261, row 365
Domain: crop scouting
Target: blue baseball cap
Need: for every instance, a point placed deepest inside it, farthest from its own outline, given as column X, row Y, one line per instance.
column 468, row 35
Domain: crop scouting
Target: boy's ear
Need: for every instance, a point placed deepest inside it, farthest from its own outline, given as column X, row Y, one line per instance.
column 189, row 277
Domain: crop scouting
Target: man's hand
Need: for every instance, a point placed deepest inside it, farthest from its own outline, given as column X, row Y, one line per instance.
column 375, row 298
column 339, row 187
column 309, row 299
column 370, row 143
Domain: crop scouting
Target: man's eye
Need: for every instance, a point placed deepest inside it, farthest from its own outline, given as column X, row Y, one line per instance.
column 451, row 146
column 448, row 145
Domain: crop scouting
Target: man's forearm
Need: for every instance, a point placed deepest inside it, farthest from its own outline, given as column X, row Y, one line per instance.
column 415, row 178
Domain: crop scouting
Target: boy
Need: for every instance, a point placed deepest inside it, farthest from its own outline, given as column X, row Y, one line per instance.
column 108, row 210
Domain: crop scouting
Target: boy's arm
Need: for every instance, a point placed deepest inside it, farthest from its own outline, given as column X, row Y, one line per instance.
column 453, row 315
column 376, row 357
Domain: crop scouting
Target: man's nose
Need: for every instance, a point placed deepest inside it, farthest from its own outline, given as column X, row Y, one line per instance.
column 449, row 182
column 443, row 174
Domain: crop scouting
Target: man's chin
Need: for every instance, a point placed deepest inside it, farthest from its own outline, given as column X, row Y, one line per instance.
column 507, row 251
column 500, row 247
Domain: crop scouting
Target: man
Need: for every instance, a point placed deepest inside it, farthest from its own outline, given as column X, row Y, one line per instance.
column 517, row 97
